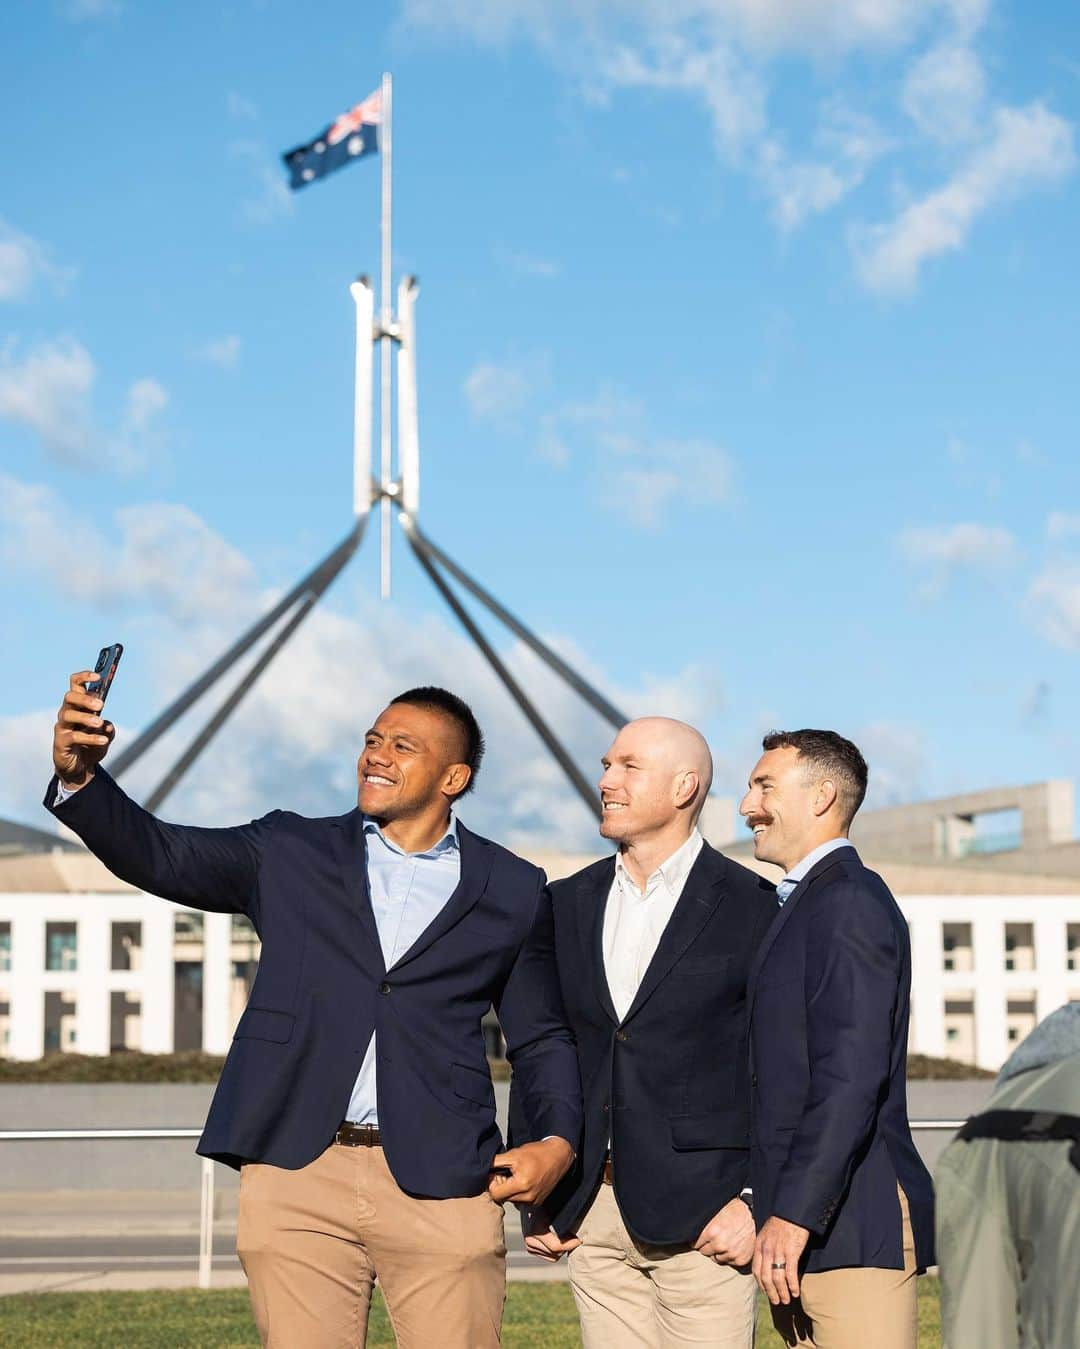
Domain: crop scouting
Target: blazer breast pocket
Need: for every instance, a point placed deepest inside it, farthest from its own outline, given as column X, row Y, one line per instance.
column 702, row 966
column 260, row 1023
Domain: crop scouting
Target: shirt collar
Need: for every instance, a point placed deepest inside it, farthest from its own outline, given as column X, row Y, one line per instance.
column 448, row 843
column 673, row 871
column 803, row 868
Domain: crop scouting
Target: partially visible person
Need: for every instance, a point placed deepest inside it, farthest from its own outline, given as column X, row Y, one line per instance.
column 356, row 1099
column 842, row 1199
column 653, row 947
column 1008, row 1203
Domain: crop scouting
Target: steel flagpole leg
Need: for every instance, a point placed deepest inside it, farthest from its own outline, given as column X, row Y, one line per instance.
column 385, row 319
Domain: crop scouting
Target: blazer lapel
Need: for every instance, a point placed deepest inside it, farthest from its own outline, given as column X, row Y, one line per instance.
column 783, row 917
column 593, row 893
column 351, row 853
column 476, row 862
column 701, row 894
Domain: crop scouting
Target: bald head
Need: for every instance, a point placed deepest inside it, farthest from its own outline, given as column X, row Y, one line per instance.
column 657, row 775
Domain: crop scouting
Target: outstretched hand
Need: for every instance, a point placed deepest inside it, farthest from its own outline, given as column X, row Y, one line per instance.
column 81, row 736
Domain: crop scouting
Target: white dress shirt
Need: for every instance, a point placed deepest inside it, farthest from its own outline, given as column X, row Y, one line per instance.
column 634, row 920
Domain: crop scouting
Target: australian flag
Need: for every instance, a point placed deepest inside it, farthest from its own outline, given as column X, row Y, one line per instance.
column 354, row 134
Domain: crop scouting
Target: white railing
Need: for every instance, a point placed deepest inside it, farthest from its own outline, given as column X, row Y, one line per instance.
column 206, row 1210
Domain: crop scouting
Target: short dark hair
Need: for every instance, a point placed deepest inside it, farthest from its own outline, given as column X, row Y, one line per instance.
column 459, row 711
column 833, row 757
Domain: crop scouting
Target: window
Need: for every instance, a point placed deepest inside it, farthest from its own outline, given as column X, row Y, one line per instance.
column 1072, row 946
column 125, row 1022
column 61, row 951
column 1019, row 946
column 5, row 947
column 126, row 946
column 956, row 951
column 60, row 1035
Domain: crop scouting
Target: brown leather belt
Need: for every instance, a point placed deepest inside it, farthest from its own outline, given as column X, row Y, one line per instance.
column 609, row 1173
column 358, row 1136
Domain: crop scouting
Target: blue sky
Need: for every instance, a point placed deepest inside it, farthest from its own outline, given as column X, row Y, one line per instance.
column 747, row 338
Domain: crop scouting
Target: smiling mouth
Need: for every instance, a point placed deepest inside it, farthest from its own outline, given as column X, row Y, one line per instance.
column 374, row 780
column 614, row 805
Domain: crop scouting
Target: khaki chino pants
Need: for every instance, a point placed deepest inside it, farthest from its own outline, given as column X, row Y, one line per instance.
column 633, row 1296
column 856, row 1308
column 313, row 1241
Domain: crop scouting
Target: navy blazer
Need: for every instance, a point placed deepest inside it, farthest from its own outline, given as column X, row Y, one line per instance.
column 669, row 1083
column 322, row 989
column 828, row 1044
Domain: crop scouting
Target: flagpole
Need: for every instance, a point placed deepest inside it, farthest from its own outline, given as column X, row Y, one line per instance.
column 385, row 321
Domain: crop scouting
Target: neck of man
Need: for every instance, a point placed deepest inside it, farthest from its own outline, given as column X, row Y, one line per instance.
column 806, row 846
column 642, row 856
column 417, row 833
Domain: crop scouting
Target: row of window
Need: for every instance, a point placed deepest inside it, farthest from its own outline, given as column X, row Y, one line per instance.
column 62, row 942
column 957, row 948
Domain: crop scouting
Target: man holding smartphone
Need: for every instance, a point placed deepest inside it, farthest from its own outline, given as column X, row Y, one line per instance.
column 356, row 1099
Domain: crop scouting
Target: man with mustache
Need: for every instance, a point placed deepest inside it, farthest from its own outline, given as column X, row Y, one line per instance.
column 653, row 949
column 842, row 1199
column 356, row 1099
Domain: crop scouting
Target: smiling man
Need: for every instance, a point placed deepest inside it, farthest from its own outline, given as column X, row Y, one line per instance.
column 842, row 1199
column 356, row 1099
column 654, row 946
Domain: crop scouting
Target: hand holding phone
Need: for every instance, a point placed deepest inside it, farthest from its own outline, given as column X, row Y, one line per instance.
column 82, row 736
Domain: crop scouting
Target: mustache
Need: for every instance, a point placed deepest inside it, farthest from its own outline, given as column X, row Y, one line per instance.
column 755, row 820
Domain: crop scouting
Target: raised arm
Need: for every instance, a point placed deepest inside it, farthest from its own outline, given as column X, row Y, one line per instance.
column 214, row 869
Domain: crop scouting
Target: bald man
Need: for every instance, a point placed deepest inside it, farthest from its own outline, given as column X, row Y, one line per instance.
column 653, row 947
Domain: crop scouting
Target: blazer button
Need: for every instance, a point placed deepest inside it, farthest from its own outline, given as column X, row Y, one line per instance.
column 621, row 1035
column 384, row 987
column 753, row 1079
column 605, row 1109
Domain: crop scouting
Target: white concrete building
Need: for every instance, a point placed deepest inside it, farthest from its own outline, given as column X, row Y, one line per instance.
column 88, row 964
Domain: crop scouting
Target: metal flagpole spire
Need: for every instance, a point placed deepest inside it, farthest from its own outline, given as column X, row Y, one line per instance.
column 385, row 324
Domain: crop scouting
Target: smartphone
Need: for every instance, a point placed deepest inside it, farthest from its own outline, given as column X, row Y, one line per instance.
column 105, row 669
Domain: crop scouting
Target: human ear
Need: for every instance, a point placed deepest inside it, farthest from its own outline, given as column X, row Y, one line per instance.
column 826, row 797
column 457, row 779
column 686, row 788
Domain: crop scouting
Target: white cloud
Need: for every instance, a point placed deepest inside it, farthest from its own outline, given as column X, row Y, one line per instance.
column 1027, row 147
column 23, row 261
column 944, row 92
column 964, row 545
column 243, row 109
column 527, row 264
column 269, row 197
column 293, row 741
column 49, row 391
column 846, row 146
column 1054, row 605
column 499, row 393
column 1062, row 525
column 897, row 758
column 221, row 351
column 158, row 554
column 805, row 26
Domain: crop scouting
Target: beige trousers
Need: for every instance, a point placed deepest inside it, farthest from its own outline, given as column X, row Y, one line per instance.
column 313, row 1241
column 856, row 1308
column 633, row 1296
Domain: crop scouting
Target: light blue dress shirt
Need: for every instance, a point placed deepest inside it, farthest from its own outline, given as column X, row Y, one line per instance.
column 803, row 868
column 408, row 890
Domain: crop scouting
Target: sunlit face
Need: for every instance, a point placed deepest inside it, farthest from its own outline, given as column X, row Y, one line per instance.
column 411, row 762
column 637, row 789
column 779, row 807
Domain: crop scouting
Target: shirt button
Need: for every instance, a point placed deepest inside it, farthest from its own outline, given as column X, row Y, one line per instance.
column 621, row 1035
column 384, row 987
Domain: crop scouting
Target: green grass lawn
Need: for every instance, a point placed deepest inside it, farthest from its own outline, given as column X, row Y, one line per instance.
column 538, row 1316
